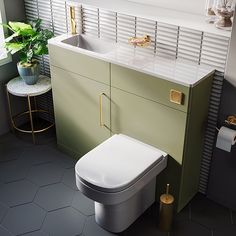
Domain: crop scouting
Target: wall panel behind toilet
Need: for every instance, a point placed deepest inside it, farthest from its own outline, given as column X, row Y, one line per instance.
column 222, row 187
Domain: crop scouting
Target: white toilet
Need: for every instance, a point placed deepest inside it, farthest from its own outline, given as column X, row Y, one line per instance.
column 120, row 176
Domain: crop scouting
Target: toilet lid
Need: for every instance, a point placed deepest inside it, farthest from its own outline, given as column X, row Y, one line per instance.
column 117, row 163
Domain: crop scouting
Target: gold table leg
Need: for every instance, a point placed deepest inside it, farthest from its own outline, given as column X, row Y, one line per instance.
column 30, row 113
column 31, row 119
column 10, row 111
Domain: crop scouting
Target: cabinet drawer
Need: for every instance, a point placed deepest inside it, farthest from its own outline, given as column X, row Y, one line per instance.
column 147, row 86
column 80, row 64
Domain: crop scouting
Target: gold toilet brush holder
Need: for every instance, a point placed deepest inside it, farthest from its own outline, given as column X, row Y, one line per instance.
column 166, row 211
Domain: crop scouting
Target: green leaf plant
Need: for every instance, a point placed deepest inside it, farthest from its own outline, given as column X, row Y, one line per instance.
column 29, row 40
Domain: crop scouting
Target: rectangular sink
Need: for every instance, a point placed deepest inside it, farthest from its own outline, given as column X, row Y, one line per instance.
column 90, row 43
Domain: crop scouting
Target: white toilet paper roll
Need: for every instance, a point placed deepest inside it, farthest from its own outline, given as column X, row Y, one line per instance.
column 226, row 138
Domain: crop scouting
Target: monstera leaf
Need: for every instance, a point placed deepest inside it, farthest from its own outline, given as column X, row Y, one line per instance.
column 27, row 39
column 14, row 47
column 21, row 28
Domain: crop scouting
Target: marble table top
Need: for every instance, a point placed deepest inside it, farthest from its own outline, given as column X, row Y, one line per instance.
column 18, row 87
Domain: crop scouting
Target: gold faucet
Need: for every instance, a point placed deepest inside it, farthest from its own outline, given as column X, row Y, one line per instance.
column 140, row 41
column 72, row 20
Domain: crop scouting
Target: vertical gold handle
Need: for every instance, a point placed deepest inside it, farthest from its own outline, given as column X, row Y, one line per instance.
column 101, row 109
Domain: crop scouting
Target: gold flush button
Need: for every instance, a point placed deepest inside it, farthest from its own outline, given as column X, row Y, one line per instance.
column 176, row 96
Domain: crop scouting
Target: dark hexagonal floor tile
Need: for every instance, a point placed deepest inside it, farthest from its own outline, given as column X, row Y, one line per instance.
column 3, row 211
column 83, row 204
column 38, row 155
column 37, row 233
column 185, row 213
column 62, row 158
column 45, row 174
column 17, row 193
column 146, row 224
column 54, row 196
column 43, row 154
column 187, row 228
column 225, row 231
column 67, row 162
column 13, row 171
column 4, row 232
column 91, row 228
column 9, row 153
column 24, row 219
column 64, row 222
column 208, row 213
column 69, row 179
column 11, row 140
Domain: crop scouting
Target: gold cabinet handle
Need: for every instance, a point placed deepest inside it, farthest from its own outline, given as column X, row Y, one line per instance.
column 101, row 109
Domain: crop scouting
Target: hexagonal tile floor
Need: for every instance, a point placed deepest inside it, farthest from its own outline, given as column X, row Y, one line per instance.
column 13, row 170
column 45, row 174
column 38, row 197
column 4, row 232
column 54, row 196
column 17, row 193
column 36, row 233
column 83, row 204
column 3, row 210
column 23, row 219
column 66, row 221
column 69, row 179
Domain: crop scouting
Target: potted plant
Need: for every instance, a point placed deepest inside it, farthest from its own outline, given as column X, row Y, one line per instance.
column 29, row 40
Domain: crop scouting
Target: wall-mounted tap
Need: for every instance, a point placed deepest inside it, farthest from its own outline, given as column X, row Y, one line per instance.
column 72, row 20
column 140, row 41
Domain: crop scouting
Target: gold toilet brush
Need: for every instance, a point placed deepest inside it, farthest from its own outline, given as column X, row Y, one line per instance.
column 166, row 211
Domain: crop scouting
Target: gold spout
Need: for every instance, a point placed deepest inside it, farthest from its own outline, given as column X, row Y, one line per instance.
column 140, row 41
column 72, row 20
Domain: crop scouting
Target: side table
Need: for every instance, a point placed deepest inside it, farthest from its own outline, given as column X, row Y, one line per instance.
column 18, row 87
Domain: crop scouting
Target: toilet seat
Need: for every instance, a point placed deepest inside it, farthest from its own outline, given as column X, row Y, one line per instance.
column 117, row 164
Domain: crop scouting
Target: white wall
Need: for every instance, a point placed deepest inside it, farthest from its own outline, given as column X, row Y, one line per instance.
column 190, row 6
column 230, row 74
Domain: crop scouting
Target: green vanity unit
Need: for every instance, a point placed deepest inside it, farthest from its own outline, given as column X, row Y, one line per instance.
column 94, row 99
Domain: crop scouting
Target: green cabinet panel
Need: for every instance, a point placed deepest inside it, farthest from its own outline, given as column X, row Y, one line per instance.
column 147, row 86
column 155, row 124
column 197, row 119
column 80, row 64
column 178, row 133
column 150, row 122
column 135, row 104
column 77, row 112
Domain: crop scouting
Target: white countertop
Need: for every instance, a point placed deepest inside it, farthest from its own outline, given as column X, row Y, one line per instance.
column 162, row 15
column 178, row 71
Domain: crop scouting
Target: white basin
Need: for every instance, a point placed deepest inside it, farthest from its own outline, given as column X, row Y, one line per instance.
column 90, row 43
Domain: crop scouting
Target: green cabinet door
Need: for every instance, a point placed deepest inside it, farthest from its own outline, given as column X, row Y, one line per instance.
column 154, row 124
column 148, row 121
column 78, row 111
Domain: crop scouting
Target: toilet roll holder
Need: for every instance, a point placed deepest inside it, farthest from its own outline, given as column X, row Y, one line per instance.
column 226, row 137
column 230, row 122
